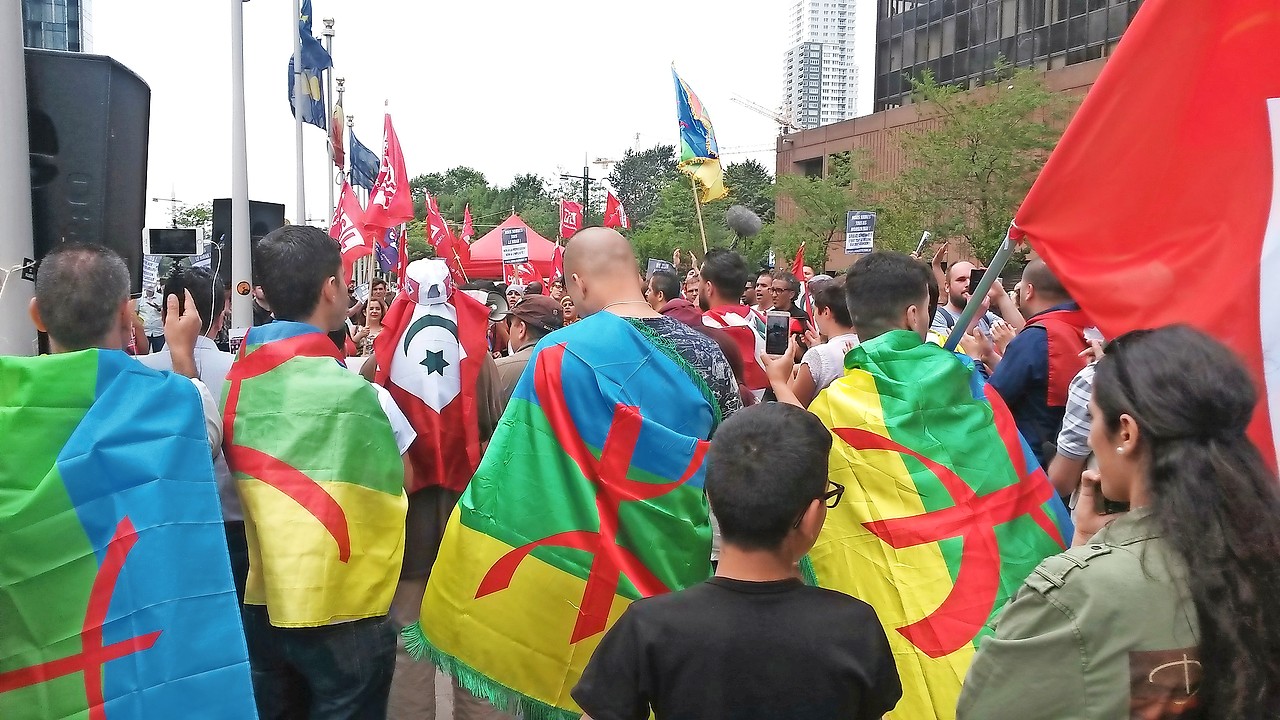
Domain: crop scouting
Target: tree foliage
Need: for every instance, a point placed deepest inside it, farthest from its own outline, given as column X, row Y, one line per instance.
column 640, row 178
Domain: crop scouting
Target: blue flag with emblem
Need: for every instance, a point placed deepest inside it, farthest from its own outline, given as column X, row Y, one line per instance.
column 364, row 164
column 315, row 60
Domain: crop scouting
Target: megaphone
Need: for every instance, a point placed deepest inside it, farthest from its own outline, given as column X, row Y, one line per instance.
column 496, row 301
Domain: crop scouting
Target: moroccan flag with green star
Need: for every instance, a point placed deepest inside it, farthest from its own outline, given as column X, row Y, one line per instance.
column 945, row 511
column 116, row 598
column 589, row 497
column 319, row 471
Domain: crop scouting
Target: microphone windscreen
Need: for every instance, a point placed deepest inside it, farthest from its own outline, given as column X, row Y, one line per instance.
column 742, row 221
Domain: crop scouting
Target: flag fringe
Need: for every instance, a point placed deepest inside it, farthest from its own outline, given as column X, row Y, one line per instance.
column 478, row 684
column 807, row 573
column 674, row 355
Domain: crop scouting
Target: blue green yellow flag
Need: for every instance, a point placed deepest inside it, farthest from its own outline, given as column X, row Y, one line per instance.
column 699, row 153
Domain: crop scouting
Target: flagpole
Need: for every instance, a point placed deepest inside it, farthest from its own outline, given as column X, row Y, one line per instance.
column 351, row 124
column 697, row 203
column 328, row 104
column 974, row 305
column 17, row 332
column 300, row 212
column 241, row 270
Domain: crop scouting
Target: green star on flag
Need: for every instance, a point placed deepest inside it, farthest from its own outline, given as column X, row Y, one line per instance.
column 434, row 362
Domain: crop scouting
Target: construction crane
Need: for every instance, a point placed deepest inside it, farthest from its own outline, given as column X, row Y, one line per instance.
column 746, row 149
column 786, row 124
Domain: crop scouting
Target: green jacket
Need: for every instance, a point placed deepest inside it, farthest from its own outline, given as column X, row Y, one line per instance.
column 1105, row 630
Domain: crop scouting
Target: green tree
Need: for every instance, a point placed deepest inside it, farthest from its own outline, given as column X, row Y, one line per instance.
column 640, row 178
column 820, row 206
column 967, row 175
column 750, row 184
column 198, row 216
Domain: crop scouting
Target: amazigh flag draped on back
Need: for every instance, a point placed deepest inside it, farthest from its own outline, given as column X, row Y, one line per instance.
column 589, row 497
column 116, row 599
column 429, row 358
column 321, row 478
column 945, row 512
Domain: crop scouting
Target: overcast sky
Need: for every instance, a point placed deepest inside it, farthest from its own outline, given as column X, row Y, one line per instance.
column 504, row 86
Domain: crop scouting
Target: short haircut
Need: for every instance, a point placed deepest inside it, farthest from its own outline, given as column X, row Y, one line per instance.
column 79, row 288
column 765, row 273
column 293, row 263
column 206, row 290
column 830, row 295
column 1038, row 274
column 880, row 286
column 666, row 282
column 534, row 288
column 765, row 465
column 376, row 282
column 793, row 284
column 726, row 271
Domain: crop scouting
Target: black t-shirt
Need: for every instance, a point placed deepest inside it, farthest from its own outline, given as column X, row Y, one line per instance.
column 735, row 650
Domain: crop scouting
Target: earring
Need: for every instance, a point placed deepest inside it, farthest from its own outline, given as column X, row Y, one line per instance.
column 1119, row 451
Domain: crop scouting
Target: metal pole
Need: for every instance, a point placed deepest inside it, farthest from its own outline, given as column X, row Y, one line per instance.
column 351, row 124
column 974, row 305
column 300, row 212
column 586, row 190
column 17, row 333
column 328, row 105
column 241, row 269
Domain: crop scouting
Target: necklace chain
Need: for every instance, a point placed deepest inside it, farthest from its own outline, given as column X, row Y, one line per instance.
column 625, row 302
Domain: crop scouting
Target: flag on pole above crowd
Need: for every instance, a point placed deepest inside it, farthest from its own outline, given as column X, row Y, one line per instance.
column 388, row 249
column 1162, row 129
column 390, row 201
column 615, row 213
column 803, row 299
column 699, row 153
column 448, row 248
column 429, row 359
column 348, row 229
column 364, row 164
column 315, row 60
column 468, row 230
column 335, row 137
column 570, row 218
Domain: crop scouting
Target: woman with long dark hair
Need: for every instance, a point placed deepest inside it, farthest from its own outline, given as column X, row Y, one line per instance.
column 1173, row 609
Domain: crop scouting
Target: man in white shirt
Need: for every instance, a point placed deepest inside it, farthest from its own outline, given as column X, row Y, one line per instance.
column 149, row 309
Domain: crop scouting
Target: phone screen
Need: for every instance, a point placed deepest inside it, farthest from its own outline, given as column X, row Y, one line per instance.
column 776, row 331
column 975, row 277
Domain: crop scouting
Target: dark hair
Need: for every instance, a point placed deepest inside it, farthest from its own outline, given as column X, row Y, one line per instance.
column 667, row 283
column 534, row 288
column 376, row 282
column 879, row 287
column 1214, row 498
column 293, row 263
column 381, row 303
column 793, row 284
column 830, row 294
column 1038, row 274
column 727, row 271
column 206, row 290
column 79, row 288
column 765, row 465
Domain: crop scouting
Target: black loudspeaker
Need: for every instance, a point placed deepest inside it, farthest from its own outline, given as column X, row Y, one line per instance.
column 88, row 119
column 263, row 218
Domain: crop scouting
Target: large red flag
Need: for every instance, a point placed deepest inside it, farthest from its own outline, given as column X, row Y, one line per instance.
column 348, row 228
column 390, row 202
column 468, row 230
column 521, row 274
column 570, row 218
column 557, row 262
column 615, row 214
column 429, row 357
column 447, row 247
column 1160, row 203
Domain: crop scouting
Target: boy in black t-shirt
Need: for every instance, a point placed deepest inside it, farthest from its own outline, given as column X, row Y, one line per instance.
column 753, row 641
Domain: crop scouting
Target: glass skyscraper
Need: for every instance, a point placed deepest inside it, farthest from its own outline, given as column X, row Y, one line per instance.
column 57, row 25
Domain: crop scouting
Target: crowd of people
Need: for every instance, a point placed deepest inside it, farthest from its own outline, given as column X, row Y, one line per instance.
column 1163, row 605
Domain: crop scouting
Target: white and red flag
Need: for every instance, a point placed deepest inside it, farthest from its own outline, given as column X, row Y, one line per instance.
column 570, row 218
column 468, row 230
column 349, row 230
column 390, row 201
column 803, row 299
column 1161, row 203
column 447, row 247
column 429, row 356
column 615, row 214
column 746, row 327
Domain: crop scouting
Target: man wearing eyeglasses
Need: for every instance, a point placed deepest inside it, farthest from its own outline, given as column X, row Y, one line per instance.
column 754, row 641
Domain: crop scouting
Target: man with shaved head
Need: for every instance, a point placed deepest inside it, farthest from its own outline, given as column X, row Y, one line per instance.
column 1035, row 373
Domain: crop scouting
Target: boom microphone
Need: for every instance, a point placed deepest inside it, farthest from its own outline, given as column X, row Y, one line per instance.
column 742, row 221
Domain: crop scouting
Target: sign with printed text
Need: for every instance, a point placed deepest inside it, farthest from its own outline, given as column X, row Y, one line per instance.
column 515, row 245
column 656, row 265
column 859, row 232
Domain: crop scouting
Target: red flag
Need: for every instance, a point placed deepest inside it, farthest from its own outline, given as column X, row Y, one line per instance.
column 429, row 357
column 570, row 218
column 402, row 260
column 521, row 274
column 803, row 300
column 468, row 230
column 1161, row 203
column 557, row 262
column 335, row 137
column 447, row 247
column 797, row 265
column 390, row 202
column 348, row 228
column 615, row 214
